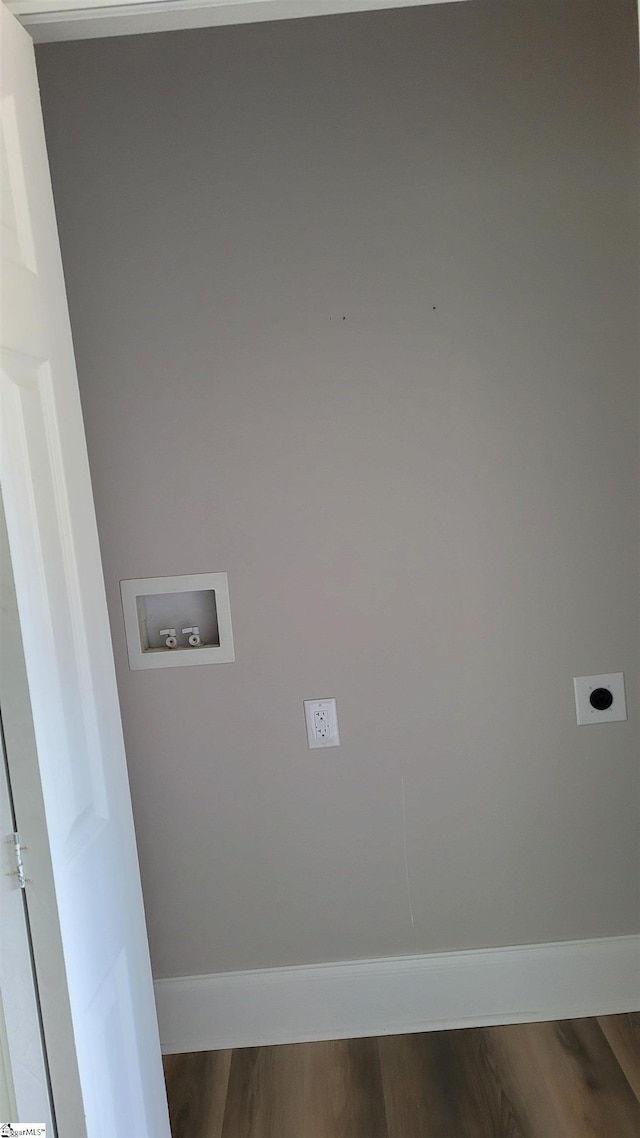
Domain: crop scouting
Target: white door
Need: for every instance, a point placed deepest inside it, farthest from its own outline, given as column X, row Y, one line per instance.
column 113, row 1047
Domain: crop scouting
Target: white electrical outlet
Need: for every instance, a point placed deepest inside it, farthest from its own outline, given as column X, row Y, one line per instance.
column 321, row 716
column 600, row 699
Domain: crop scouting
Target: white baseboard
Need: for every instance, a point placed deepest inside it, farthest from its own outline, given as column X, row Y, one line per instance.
column 519, row 984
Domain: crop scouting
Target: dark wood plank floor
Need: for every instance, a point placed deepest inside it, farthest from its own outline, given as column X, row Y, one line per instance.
column 574, row 1079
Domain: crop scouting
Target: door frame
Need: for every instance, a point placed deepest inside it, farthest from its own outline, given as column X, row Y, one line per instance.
column 25, row 1084
column 44, row 933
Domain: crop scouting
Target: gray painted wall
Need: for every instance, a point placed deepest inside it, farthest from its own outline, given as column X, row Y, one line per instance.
column 355, row 309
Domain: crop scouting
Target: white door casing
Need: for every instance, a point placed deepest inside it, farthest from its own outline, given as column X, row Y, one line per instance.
column 16, row 977
column 24, row 1057
column 26, row 1077
column 53, row 540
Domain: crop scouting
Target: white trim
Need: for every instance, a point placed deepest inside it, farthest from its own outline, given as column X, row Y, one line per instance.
column 520, row 984
column 51, row 20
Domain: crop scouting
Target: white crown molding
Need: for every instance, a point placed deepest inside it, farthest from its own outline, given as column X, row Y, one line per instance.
column 52, row 20
column 521, row 984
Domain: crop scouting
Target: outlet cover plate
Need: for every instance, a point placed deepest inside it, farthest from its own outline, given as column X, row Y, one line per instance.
column 321, row 717
column 584, row 685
